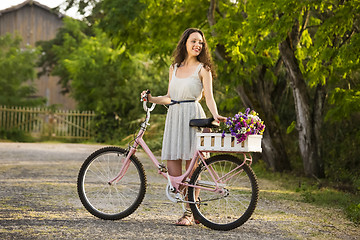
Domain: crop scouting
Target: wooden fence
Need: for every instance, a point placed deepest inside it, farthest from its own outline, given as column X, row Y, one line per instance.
column 41, row 122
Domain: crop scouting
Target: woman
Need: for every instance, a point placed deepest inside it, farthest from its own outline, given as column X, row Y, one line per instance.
column 189, row 76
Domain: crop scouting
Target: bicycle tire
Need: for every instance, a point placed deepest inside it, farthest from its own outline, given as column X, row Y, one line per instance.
column 115, row 201
column 216, row 210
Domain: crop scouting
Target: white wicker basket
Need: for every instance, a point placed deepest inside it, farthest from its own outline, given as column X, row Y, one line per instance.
column 214, row 142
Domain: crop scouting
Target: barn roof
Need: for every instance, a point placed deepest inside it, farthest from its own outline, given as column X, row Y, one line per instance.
column 31, row 3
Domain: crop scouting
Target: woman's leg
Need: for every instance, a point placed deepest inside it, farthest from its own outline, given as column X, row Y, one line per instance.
column 174, row 167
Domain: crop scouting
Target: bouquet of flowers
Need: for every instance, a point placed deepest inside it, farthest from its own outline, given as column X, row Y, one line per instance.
column 243, row 125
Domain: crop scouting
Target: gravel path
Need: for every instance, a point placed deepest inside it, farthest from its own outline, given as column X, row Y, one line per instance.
column 38, row 200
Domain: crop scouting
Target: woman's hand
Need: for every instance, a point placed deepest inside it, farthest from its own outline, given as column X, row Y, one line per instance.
column 145, row 95
column 219, row 118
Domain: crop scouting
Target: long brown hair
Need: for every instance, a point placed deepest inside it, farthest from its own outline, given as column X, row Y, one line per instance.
column 204, row 57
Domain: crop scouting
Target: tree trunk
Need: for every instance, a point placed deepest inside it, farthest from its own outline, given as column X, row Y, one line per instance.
column 308, row 142
column 320, row 96
column 273, row 146
column 274, row 153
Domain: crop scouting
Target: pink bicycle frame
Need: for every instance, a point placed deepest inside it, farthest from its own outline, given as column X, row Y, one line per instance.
column 179, row 180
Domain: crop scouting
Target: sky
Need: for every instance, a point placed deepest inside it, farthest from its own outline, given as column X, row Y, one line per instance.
column 50, row 3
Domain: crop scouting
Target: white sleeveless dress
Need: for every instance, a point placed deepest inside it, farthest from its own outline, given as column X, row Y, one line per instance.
column 179, row 141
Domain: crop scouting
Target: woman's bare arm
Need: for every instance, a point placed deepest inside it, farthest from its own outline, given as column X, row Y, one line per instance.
column 208, row 92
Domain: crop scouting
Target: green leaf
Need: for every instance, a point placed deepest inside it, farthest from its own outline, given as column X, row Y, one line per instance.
column 291, row 127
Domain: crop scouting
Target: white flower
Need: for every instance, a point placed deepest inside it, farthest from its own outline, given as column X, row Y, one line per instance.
column 243, row 130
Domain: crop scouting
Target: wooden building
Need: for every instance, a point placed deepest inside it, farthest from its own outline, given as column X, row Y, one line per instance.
column 34, row 22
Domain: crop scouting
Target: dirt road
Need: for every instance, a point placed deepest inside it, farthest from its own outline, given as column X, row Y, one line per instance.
column 38, row 200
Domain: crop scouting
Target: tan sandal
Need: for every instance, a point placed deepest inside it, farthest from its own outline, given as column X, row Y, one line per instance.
column 186, row 220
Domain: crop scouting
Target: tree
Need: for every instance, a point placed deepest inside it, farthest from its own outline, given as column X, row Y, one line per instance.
column 145, row 19
column 316, row 75
column 254, row 72
column 55, row 51
column 100, row 76
column 263, row 50
column 307, row 37
column 17, row 70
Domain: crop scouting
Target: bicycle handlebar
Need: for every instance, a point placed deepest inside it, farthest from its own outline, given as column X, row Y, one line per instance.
column 148, row 109
column 144, row 99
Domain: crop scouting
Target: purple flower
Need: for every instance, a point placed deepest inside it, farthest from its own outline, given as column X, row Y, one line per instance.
column 238, row 127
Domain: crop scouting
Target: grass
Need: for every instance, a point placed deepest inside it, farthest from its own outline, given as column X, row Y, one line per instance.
column 316, row 192
column 15, row 135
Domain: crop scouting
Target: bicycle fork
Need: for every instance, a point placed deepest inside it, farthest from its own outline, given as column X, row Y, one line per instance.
column 124, row 168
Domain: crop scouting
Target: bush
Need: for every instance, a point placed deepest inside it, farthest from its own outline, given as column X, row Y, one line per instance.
column 107, row 128
column 341, row 153
column 353, row 213
column 15, row 135
column 153, row 136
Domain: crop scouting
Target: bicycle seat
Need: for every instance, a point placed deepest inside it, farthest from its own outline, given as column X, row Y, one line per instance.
column 204, row 123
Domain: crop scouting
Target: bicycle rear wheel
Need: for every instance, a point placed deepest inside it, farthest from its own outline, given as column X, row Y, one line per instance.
column 111, row 201
column 236, row 199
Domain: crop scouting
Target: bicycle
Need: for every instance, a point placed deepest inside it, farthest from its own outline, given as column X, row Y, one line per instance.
column 112, row 183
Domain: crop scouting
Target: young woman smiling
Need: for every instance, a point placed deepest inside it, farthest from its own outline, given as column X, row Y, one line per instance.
column 190, row 76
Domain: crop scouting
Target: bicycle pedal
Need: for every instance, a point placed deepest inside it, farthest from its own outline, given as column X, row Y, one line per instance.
column 200, row 203
column 162, row 168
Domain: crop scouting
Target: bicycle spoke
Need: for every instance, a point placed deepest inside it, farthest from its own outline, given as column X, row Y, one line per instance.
column 111, row 201
column 232, row 206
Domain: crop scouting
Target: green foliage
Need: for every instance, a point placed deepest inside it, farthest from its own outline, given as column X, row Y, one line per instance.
column 121, row 21
column 342, row 154
column 129, row 44
column 96, row 71
column 345, row 102
column 353, row 213
column 329, row 198
column 322, row 193
column 153, row 136
column 17, row 67
column 154, row 133
column 56, row 51
column 102, row 77
column 15, row 135
column 149, row 26
column 109, row 81
column 326, row 47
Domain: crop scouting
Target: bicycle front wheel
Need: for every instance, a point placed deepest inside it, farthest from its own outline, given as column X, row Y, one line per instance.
column 118, row 199
column 234, row 200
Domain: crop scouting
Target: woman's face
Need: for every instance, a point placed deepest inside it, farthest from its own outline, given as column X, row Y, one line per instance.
column 194, row 44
